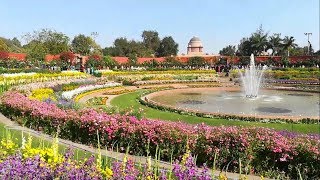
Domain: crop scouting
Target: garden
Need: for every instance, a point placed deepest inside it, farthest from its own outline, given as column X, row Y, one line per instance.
column 195, row 146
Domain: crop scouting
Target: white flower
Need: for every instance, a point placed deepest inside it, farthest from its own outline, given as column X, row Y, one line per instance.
column 72, row 93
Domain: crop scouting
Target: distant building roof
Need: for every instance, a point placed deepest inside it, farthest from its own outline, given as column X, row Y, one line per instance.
column 121, row 60
column 142, row 60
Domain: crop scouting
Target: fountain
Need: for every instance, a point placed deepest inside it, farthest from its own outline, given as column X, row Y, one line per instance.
column 251, row 79
column 265, row 104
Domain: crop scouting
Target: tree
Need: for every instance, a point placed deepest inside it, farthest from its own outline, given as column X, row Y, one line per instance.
column 245, row 47
column 228, row 51
column 171, row 62
column 196, row 61
column 123, row 47
column 94, row 61
column 259, row 41
column 36, row 52
column 109, row 62
column 3, row 46
column 16, row 42
column 167, row 47
column 288, row 43
column 151, row 40
column 84, row 44
column 133, row 61
column 67, row 59
column 151, row 64
column 274, row 44
column 53, row 42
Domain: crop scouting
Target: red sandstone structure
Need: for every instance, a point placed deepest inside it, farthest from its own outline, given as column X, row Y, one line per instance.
column 211, row 59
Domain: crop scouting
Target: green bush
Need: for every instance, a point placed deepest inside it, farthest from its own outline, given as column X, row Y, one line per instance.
column 97, row 74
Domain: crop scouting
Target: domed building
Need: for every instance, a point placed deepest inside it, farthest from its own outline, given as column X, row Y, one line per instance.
column 195, row 47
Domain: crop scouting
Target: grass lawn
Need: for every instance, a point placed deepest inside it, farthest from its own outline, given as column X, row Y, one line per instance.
column 130, row 101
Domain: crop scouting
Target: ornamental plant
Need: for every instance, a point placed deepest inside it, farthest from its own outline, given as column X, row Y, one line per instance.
column 43, row 94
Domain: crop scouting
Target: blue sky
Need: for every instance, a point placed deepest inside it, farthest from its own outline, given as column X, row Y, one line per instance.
column 217, row 22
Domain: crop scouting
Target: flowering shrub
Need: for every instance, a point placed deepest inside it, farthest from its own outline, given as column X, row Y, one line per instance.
column 263, row 151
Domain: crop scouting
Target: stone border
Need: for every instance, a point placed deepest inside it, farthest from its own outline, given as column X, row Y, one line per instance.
column 146, row 100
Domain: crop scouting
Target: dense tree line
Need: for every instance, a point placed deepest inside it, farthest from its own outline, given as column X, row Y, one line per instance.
column 47, row 41
column 150, row 46
column 262, row 43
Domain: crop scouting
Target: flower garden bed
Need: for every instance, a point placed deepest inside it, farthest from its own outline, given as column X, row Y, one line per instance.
column 7, row 81
column 72, row 93
column 139, row 83
column 110, row 73
column 260, row 150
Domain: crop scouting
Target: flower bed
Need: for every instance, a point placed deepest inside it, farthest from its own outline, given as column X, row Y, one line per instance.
column 139, row 83
column 8, row 81
column 110, row 73
column 27, row 162
column 117, row 92
column 265, row 151
column 72, row 93
column 97, row 101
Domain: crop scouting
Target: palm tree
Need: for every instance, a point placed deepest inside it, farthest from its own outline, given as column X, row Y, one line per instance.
column 274, row 44
column 259, row 42
column 288, row 42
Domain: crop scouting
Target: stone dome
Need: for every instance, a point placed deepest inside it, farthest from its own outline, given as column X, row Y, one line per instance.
column 195, row 42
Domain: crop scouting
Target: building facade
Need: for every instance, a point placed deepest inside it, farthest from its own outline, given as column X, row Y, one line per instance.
column 195, row 47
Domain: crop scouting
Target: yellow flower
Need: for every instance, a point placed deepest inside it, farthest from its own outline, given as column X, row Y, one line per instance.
column 222, row 176
column 109, row 172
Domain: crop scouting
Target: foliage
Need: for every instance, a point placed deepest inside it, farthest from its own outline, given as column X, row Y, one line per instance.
column 228, row 51
column 196, row 61
column 3, row 46
column 67, row 59
column 150, row 46
column 123, row 47
column 10, row 45
column 168, row 47
column 51, row 41
column 171, row 62
column 109, row 62
column 36, row 52
column 151, row 40
column 84, row 44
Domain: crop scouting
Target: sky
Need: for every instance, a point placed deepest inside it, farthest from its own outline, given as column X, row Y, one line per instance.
column 217, row 23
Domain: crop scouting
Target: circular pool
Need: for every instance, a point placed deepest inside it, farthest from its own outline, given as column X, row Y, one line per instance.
column 269, row 103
